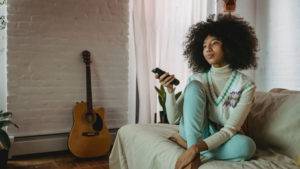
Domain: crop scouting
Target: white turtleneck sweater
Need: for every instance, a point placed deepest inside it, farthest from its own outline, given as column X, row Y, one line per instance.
column 220, row 76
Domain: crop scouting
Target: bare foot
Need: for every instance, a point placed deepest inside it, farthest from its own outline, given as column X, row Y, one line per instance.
column 195, row 163
column 179, row 140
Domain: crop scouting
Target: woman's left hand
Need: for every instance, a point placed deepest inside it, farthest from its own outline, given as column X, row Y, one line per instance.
column 186, row 157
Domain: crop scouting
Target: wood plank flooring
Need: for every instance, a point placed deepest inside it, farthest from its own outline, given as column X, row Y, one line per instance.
column 57, row 160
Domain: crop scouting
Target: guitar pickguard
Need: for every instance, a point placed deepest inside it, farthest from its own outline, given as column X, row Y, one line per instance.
column 98, row 125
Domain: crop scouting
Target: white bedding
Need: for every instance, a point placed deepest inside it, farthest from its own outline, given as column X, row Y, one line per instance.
column 145, row 146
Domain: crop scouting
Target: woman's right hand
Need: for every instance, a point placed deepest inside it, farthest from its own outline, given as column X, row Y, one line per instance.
column 166, row 82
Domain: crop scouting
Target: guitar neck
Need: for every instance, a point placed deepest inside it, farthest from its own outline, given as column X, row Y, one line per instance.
column 89, row 89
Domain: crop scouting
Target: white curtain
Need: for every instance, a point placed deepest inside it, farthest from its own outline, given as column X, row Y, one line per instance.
column 160, row 28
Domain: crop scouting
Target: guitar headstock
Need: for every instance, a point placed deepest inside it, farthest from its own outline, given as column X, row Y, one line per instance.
column 86, row 57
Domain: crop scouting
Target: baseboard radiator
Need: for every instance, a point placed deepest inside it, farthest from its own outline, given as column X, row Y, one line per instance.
column 44, row 143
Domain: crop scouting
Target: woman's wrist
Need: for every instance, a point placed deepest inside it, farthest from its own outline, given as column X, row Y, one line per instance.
column 170, row 90
column 196, row 148
column 201, row 146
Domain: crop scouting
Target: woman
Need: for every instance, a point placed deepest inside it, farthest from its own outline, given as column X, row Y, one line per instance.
column 217, row 97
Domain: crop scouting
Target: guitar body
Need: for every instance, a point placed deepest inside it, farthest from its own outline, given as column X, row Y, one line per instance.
column 88, row 139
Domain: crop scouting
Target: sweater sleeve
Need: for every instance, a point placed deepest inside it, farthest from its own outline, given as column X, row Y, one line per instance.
column 234, row 122
column 174, row 107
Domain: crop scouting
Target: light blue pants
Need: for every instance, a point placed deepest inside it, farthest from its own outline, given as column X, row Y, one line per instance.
column 195, row 126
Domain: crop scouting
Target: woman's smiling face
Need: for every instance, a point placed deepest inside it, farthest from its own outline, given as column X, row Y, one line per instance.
column 212, row 51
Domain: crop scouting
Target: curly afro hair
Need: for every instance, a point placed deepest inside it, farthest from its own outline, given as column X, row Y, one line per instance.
column 239, row 42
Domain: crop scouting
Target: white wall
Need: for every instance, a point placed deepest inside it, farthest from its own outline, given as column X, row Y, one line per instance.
column 278, row 30
column 46, row 72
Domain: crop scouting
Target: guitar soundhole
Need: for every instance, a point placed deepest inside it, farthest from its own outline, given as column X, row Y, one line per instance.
column 89, row 117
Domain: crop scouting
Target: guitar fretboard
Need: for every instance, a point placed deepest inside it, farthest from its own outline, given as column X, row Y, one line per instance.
column 89, row 89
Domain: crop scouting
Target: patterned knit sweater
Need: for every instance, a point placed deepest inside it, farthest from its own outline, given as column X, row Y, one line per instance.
column 230, row 95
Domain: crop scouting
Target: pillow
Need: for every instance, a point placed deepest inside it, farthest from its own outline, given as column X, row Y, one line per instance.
column 273, row 122
column 284, row 91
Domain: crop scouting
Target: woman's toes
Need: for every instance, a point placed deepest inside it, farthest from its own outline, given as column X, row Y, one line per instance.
column 177, row 136
column 172, row 138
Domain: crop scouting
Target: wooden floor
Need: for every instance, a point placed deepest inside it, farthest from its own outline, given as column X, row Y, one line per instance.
column 57, row 160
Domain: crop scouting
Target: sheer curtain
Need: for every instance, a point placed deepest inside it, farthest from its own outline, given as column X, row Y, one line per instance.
column 160, row 28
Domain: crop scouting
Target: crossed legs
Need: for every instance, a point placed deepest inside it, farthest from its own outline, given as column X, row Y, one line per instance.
column 193, row 128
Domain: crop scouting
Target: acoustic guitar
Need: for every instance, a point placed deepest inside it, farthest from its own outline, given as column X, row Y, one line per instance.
column 89, row 136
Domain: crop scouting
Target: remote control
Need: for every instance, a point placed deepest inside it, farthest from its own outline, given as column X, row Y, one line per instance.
column 161, row 72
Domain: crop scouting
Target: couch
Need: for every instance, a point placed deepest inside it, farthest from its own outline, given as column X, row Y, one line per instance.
column 273, row 123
